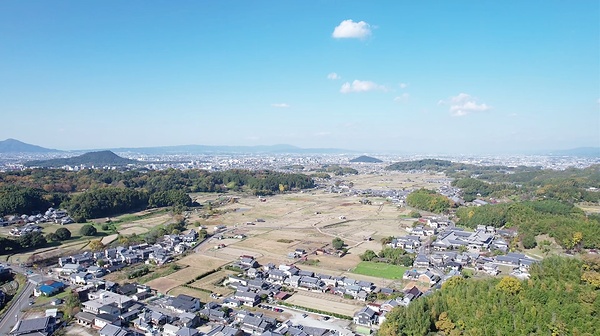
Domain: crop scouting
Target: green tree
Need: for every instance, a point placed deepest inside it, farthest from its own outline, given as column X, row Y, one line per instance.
column 52, row 237
column 386, row 240
column 32, row 240
column 88, row 230
column 368, row 255
column 528, row 241
column 414, row 214
column 337, row 243
column 63, row 233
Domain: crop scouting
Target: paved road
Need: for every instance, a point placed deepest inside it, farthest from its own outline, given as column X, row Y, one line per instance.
column 14, row 313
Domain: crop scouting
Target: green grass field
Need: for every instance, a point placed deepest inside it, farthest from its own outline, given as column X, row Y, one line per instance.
column 380, row 270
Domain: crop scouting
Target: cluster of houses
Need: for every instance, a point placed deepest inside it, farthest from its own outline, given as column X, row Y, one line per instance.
column 50, row 216
column 25, row 229
column 450, row 237
column 374, row 313
column 269, row 279
column 133, row 309
column 453, row 193
column 86, row 265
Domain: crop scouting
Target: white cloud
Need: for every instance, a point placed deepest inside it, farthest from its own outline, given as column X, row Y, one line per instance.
column 361, row 86
column 351, row 29
column 333, row 76
column 403, row 98
column 281, row 105
column 464, row 104
column 403, row 85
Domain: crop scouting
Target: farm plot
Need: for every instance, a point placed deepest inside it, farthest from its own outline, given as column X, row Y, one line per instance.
column 398, row 180
column 330, row 303
column 197, row 265
column 201, row 262
column 202, row 295
column 210, row 283
column 380, row 270
column 278, row 243
column 163, row 285
column 144, row 225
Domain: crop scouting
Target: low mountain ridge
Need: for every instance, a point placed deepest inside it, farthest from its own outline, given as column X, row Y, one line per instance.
column 366, row 159
column 96, row 159
column 15, row 146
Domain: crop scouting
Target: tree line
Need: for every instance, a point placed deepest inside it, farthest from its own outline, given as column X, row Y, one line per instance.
column 561, row 298
column 100, row 193
column 428, row 200
column 567, row 224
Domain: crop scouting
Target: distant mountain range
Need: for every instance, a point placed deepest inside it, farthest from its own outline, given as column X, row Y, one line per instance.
column 96, row 159
column 366, row 159
column 16, row 146
column 203, row 149
column 581, row 151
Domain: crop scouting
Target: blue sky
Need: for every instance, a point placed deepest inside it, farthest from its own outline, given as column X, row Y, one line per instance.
column 413, row 76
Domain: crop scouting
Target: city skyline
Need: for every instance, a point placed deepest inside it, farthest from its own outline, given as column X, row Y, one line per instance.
column 461, row 77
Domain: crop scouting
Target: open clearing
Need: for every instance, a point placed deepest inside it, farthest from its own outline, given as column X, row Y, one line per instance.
column 331, row 304
column 197, row 264
column 202, row 263
column 144, row 225
column 381, row 270
column 309, row 220
column 163, row 285
column 203, row 296
column 210, row 283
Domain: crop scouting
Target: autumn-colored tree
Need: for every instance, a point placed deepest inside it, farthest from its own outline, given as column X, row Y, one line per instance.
column 96, row 245
column 444, row 324
column 591, row 277
column 509, row 285
column 386, row 240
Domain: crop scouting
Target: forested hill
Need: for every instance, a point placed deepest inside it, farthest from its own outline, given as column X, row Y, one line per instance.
column 92, row 193
column 96, row 159
column 426, row 164
column 561, row 298
column 366, row 159
column 16, row 146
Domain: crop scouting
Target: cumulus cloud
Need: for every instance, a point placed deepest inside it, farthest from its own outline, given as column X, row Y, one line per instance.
column 403, row 98
column 351, row 29
column 280, row 105
column 464, row 104
column 361, row 86
column 333, row 76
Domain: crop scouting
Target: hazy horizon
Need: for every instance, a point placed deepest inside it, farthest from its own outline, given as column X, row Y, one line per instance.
column 458, row 77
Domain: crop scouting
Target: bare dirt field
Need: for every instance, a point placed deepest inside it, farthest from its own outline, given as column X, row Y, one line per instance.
column 210, row 283
column 77, row 330
column 203, row 296
column 109, row 239
column 332, row 303
column 144, row 225
column 310, row 220
column 197, row 265
column 201, row 263
column 163, row 285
